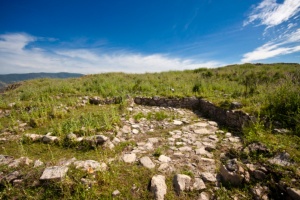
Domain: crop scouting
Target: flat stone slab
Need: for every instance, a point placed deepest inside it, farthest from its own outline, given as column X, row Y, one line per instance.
column 163, row 158
column 202, row 131
column 208, row 177
column 198, row 184
column 177, row 122
column 55, row 172
column 147, row 162
column 129, row 157
column 90, row 165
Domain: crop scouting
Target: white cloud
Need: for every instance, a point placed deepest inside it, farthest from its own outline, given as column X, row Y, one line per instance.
column 270, row 13
column 290, row 43
column 17, row 57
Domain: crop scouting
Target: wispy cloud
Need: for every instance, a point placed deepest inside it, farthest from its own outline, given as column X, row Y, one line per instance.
column 287, row 45
column 17, row 55
column 270, row 13
column 280, row 21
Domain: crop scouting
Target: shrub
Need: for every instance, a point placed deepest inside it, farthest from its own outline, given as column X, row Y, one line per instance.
column 284, row 106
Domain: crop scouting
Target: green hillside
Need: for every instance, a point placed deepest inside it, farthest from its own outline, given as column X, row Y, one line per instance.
column 12, row 78
column 270, row 92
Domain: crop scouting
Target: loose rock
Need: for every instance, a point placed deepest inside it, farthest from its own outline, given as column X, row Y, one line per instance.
column 163, row 158
column 181, row 182
column 129, row 157
column 147, row 162
column 55, row 172
column 158, row 187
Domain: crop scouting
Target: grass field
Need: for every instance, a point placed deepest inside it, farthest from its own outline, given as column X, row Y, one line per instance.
column 268, row 91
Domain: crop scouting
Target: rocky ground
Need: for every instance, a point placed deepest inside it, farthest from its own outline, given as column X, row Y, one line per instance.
column 189, row 149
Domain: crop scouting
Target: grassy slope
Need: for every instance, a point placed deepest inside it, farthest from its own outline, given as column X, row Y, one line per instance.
column 264, row 90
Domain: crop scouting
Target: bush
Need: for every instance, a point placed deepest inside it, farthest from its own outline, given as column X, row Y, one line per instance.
column 284, row 106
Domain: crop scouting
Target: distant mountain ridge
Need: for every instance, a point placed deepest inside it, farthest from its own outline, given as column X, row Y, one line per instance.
column 12, row 78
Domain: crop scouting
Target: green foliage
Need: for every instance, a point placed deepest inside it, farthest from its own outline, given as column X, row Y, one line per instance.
column 197, row 88
column 283, row 105
column 158, row 152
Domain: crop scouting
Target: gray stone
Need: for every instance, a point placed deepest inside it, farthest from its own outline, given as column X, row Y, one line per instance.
column 202, row 131
column 201, row 124
column 213, row 123
column 34, row 137
column 147, row 162
column 233, row 177
column 208, row 177
column 201, row 151
column 12, row 176
column 282, row 159
column 129, row 157
column 163, row 158
column 293, row 193
column 96, row 139
column 204, row 196
column 55, row 172
column 181, row 182
column 198, row 184
column 90, row 165
column 71, row 136
column 4, row 160
column 258, row 147
column 153, row 140
column 281, row 131
column 116, row 140
column 185, row 148
column 17, row 182
column 228, row 135
column 109, row 145
column 259, row 175
column 158, row 187
column 116, row 193
column 49, row 139
column 148, row 146
column 126, row 129
column 177, row 122
column 135, row 131
column 234, row 139
column 38, row 163
column 231, row 165
column 260, row 193
column 164, row 167
column 20, row 161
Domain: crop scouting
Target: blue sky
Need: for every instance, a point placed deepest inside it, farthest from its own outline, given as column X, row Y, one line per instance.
column 95, row 36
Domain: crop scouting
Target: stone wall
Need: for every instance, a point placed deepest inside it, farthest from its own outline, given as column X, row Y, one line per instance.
column 187, row 102
column 235, row 119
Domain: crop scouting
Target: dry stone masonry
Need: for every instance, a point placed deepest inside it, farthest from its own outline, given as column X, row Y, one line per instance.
column 232, row 118
column 195, row 154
